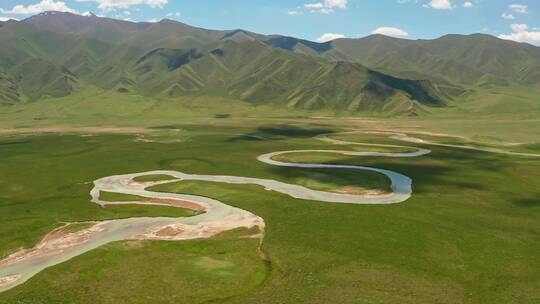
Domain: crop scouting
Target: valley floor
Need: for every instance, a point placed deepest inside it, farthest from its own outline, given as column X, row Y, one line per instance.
column 468, row 234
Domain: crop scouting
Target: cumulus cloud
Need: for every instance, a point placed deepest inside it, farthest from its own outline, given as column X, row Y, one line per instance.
column 43, row 6
column 516, row 28
column 390, row 31
column 329, row 37
column 108, row 5
column 468, row 4
column 508, row 16
column 522, row 33
column 327, row 6
column 440, row 4
column 519, row 8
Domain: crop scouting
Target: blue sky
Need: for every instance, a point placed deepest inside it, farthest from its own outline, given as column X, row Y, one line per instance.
column 317, row 19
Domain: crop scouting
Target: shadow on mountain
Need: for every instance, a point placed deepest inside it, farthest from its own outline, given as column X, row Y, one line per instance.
column 290, row 43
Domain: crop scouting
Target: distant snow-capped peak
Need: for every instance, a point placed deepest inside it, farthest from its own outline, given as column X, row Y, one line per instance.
column 88, row 14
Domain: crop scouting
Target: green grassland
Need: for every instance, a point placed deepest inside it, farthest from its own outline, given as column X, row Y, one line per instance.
column 119, row 197
column 159, row 272
column 337, row 180
column 469, row 234
column 503, row 114
column 154, row 211
column 136, row 210
column 117, row 97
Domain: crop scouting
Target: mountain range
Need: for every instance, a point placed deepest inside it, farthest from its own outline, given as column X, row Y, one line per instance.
column 56, row 54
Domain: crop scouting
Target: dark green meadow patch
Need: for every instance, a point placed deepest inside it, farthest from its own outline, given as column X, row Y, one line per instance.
column 290, row 131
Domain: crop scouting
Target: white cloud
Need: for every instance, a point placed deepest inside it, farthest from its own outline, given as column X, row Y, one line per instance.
column 521, row 33
column 440, row 4
column 390, row 31
column 43, row 6
column 294, row 13
column 3, row 19
column 314, row 6
column 336, row 3
column 175, row 14
column 516, row 28
column 519, row 8
column 156, row 3
column 508, row 16
column 468, row 4
column 327, row 6
column 109, row 5
column 329, row 37
column 516, row 8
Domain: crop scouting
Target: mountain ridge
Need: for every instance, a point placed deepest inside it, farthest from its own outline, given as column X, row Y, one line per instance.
column 169, row 58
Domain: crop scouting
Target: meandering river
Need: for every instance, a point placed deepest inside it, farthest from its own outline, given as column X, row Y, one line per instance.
column 58, row 246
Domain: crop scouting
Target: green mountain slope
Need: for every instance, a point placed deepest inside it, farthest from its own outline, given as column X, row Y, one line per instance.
column 257, row 73
column 473, row 60
column 460, row 59
column 9, row 90
column 38, row 78
column 55, row 54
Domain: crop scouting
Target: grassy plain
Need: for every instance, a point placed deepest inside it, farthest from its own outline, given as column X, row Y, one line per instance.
column 469, row 234
column 483, row 114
